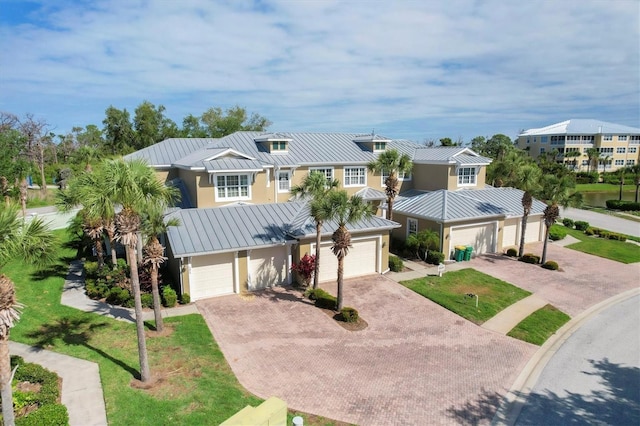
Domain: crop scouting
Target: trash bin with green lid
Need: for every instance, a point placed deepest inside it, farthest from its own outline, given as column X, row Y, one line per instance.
column 459, row 253
column 467, row 252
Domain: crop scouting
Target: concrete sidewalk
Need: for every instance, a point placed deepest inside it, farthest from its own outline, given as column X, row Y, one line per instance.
column 604, row 221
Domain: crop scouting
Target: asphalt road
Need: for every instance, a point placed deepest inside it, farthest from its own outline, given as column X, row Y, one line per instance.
column 604, row 221
column 594, row 378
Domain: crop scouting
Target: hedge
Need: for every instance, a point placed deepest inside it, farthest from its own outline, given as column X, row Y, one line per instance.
column 623, row 205
column 348, row 314
column 557, row 233
column 530, row 258
column 512, row 252
column 581, row 225
column 551, row 265
column 395, row 263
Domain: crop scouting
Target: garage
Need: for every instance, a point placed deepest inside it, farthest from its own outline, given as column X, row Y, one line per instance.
column 211, row 275
column 511, row 232
column 267, row 267
column 481, row 237
column 362, row 259
column 532, row 234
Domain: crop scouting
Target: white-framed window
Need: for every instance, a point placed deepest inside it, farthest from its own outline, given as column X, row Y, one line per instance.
column 412, row 226
column 635, row 137
column 326, row 171
column 544, row 139
column 608, row 150
column 622, row 137
column 631, row 162
column 633, row 150
column 467, row 176
column 232, row 187
column 607, row 137
column 284, row 181
column 379, row 146
column 619, row 163
column 355, row 176
column 573, row 137
column 278, row 146
column 402, row 177
column 621, row 150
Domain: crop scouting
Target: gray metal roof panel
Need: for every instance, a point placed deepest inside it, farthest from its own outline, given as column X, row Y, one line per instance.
column 449, row 154
column 167, row 152
column 370, row 194
column 232, row 164
column 582, row 126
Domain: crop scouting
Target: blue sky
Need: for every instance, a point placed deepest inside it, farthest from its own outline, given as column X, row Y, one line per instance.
column 406, row 69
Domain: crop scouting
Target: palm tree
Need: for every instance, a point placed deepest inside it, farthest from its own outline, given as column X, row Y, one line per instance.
column 556, row 191
column 33, row 243
column 527, row 179
column 316, row 187
column 396, row 165
column 502, row 171
column 5, row 189
column 154, row 224
column 573, row 158
column 134, row 185
column 338, row 206
column 636, row 178
column 592, row 154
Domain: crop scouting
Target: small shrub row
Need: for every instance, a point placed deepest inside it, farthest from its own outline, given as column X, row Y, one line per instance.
column 348, row 314
column 605, row 234
column 581, row 225
column 557, row 233
column 323, row 299
column 395, row 263
column 435, row 257
column 587, row 177
column 512, row 252
column 530, row 258
column 623, row 205
column 551, row 265
column 568, row 222
column 185, row 299
column 169, row 297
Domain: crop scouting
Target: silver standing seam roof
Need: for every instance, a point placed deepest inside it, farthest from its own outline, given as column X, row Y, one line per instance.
column 241, row 227
column 582, row 127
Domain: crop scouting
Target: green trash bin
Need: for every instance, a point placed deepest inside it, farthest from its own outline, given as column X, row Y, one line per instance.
column 459, row 253
column 467, row 252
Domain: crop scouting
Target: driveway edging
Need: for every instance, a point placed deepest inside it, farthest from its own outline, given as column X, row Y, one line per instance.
column 514, row 400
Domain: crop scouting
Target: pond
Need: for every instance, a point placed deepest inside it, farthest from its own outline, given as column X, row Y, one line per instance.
column 599, row 199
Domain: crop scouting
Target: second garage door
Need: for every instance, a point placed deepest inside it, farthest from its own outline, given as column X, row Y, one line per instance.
column 211, row 275
column 267, row 267
column 481, row 237
column 361, row 260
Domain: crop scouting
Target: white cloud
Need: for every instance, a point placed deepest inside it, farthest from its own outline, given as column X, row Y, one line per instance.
column 461, row 67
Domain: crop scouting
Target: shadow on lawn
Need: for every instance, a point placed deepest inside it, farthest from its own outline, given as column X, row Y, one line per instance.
column 76, row 331
column 617, row 402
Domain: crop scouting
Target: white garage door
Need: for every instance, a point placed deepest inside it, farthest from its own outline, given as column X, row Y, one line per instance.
column 481, row 237
column 510, row 233
column 267, row 267
column 362, row 259
column 211, row 275
column 533, row 230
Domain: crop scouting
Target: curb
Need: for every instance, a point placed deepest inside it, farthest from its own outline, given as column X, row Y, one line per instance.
column 513, row 402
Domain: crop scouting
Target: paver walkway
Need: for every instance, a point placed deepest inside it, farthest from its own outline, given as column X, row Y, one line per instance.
column 511, row 316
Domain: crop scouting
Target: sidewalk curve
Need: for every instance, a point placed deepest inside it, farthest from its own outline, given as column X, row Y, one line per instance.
column 511, row 316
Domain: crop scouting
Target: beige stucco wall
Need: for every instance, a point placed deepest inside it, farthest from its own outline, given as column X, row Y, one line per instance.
column 401, row 233
column 165, row 175
column 430, row 177
column 243, row 271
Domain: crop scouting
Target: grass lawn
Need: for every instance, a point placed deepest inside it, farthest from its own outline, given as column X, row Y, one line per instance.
column 620, row 251
column 603, row 187
column 540, row 325
column 196, row 384
column 450, row 291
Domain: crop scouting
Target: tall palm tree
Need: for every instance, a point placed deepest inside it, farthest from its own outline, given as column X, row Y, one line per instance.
column 338, row 206
column 154, row 223
column 33, row 243
column 395, row 164
column 556, row 191
column 592, row 154
column 315, row 187
column 502, row 171
column 636, row 178
column 134, row 185
column 527, row 179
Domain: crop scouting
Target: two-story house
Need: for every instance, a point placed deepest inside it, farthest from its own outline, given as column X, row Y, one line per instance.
column 241, row 230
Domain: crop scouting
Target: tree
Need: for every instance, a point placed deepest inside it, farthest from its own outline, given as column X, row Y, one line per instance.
column 446, row 142
column 151, row 126
column 527, row 180
column 592, row 155
column 36, row 133
column 118, row 131
column 556, row 191
column 218, row 123
column 495, row 147
column 622, row 170
column 636, row 178
column 395, row 164
column 154, row 223
column 134, row 185
column 604, row 160
column 503, row 171
column 423, row 242
column 33, row 243
column 573, row 158
column 338, row 206
column 191, row 127
column 315, row 187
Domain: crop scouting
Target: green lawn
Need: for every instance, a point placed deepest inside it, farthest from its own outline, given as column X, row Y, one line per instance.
column 603, row 187
column 452, row 289
column 197, row 385
column 619, row 251
column 540, row 325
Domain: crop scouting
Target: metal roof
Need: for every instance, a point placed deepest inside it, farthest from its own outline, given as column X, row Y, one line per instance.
column 452, row 206
column 165, row 153
column 370, row 194
column 582, row 127
column 243, row 227
column 448, row 154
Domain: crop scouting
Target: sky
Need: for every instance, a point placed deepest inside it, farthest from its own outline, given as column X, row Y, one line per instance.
column 418, row 70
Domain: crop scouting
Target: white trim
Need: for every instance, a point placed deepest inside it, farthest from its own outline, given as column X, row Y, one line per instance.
column 332, row 168
column 377, row 238
column 229, row 151
column 344, row 176
column 239, row 197
column 409, row 220
column 471, row 225
column 236, row 274
column 277, row 179
column 475, row 175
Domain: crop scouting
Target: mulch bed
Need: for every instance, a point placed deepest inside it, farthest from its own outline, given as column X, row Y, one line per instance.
column 360, row 324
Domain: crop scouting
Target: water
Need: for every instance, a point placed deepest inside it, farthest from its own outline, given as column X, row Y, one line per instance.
column 599, row 199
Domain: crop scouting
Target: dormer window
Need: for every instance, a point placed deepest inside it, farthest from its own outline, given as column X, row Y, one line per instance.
column 278, row 146
column 372, row 142
column 379, row 146
column 275, row 143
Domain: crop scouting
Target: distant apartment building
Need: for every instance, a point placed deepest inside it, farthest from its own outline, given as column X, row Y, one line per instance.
column 617, row 145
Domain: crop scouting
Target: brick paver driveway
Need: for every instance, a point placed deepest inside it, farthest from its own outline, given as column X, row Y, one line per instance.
column 416, row 363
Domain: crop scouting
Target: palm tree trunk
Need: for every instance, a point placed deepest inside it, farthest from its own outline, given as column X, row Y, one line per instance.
column 637, row 188
column 390, row 208
column 316, row 270
column 523, row 232
column 340, row 281
column 544, row 245
column 157, row 312
column 145, row 373
column 6, row 392
column 99, row 251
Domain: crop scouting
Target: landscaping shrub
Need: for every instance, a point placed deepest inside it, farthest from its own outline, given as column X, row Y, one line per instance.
column 530, row 258
column 185, row 299
column 169, row 297
column 96, row 289
column 435, row 257
column 395, row 263
column 324, row 300
column 592, row 231
column 118, row 296
column 604, row 234
column 581, row 225
column 50, row 415
column 512, row 252
column 147, row 300
column 305, row 269
column 567, row 222
column 551, row 265
column 90, row 268
column 616, row 236
column 623, row 205
column 587, row 177
column 557, row 233
column 348, row 314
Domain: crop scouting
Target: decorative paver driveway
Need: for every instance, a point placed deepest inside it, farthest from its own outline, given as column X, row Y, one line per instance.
column 416, row 363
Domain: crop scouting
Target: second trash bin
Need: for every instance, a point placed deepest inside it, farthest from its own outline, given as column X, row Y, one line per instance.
column 459, row 253
column 467, row 252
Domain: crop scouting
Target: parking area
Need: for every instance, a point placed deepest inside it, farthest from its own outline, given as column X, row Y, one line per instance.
column 415, row 363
